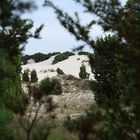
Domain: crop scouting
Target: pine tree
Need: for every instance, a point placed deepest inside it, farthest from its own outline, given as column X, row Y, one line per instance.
column 34, row 77
column 83, row 74
column 105, row 69
column 25, row 76
column 122, row 83
column 14, row 33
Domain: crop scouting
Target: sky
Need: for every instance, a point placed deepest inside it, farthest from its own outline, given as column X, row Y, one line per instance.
column 53, row 36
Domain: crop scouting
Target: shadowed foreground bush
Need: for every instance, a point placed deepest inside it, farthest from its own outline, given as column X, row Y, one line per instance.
column 51, row 86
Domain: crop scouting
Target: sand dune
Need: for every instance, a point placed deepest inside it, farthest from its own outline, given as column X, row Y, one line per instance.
column 69, row 66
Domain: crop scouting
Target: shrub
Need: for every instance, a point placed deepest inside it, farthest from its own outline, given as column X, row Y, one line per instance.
column 83, row 74
column 59, row 71
column 38, row 57
column 84, row 53
column 51, row 86
column 61, row 133
column 25, row 76
column 62, row 57
column 42, row 130
column 34, row 77
column 52, row 70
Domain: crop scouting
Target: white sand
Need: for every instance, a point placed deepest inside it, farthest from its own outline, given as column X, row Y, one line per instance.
column 69, row 66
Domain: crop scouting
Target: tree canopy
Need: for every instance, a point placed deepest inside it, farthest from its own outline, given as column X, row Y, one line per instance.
column 14, row 34
column 115, row 62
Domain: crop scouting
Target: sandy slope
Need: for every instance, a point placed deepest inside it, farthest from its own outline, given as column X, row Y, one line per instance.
column 69, row 66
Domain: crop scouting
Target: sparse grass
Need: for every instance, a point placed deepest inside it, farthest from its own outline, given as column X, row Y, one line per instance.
column 61, row 133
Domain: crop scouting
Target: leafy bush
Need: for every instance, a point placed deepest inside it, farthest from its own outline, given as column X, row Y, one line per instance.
column 83, row 74
column 59, row 71
column 34, row 77
column 51, row 86
column 61, row 57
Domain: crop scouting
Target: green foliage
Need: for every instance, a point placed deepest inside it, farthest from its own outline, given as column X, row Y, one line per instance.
column 50, row 86
column 83, row 74
column 15, row 99
column 115, row 63
column 42, row 130
column 59, row 71
column 61, row 57
column 60, row 133
column 5, row 118
column 105, row 69
column 25, row 76
column 107, row 91
column 14, row 33
column 83, row 53
column 34, row 77
column 38, row 57
column 87, row 126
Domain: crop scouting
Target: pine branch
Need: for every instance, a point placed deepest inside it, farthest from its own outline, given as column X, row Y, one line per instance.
column 80, row 32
